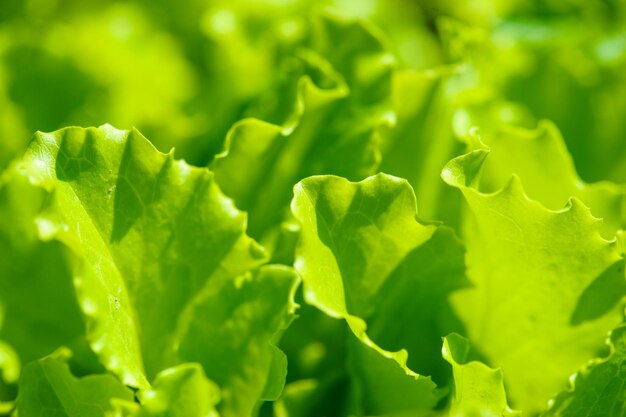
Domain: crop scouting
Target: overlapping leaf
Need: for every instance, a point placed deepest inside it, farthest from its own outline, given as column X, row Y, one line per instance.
column 531, row 267
column 47, row 387
column 598, row 389
column 364, row 258
column 181, row 391
column 33, row 274
column 110, row 246
column 539, row 157
column 157, row 248
column 342, row 101
column 478, row 389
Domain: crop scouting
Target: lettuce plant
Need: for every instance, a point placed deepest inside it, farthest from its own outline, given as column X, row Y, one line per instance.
column 374, row 209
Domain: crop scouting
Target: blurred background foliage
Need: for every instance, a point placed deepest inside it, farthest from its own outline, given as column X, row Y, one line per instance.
column 184, row 72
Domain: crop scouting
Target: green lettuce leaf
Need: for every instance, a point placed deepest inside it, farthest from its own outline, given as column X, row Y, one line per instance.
column 364, row 258
column 37, row 298
column 232, row 334
column 598, row 389
column 181, row 391
column 341, row 104
column 47, row 387
column 272, row 153
column 561, row 62
column 478, row 389
column 531, row 267
column 423, row 139
column 540, row 159
column 254, row 43
column 161, row 262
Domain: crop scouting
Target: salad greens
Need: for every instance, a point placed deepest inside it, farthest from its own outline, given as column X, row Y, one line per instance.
column 364, row 208
column 518, row 250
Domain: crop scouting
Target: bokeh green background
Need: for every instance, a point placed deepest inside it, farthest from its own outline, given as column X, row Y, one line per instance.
column 184, row 72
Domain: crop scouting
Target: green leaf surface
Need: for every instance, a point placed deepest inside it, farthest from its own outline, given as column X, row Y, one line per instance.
column 341, row 104
column 530, row 267
column 540, row 159
column 181, row 391
column 38, row 302
column 162, row 262
column 478, row 389
column 422, row 140
column 276, row 156
column 364, row 258
column 598, row 389
column 48, row 388
column 232, row 335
